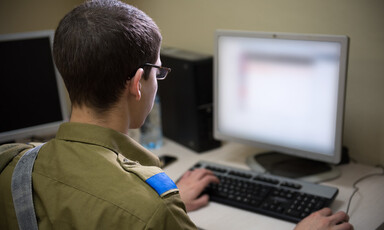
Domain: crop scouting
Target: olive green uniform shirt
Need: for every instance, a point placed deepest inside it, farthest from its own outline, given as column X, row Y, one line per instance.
column 90, row 177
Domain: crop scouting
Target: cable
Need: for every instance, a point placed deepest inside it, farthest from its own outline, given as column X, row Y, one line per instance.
column 360, row 179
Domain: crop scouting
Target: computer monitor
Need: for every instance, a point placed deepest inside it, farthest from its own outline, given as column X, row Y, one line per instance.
column 283, row 93
column 32, row 95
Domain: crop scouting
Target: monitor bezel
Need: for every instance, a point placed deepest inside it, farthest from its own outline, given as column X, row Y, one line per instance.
column 47, row 129
column 342, row 39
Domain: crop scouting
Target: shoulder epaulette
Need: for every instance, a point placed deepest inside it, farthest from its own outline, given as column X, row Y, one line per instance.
column 152, row 175
column 162, row 184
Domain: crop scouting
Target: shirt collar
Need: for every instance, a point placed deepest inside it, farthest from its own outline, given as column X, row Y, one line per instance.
column 107, row 138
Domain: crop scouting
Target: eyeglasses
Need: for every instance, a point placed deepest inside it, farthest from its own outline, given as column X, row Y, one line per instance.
column 163, row 71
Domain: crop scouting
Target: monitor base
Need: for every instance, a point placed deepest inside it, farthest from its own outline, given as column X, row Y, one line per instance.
column 292, row 167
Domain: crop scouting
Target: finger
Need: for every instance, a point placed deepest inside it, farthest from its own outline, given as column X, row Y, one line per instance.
column 199, row 202
column 347, row 218
column 210, row 179
column 200, row 173
column 338, row 218
column 187, row 174
column 344, row 226
column 325, row 212
column 203, row 183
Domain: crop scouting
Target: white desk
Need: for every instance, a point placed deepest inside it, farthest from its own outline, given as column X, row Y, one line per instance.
column 366, row 211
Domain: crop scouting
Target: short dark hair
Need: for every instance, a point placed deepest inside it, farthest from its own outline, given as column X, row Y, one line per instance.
column 99, row 45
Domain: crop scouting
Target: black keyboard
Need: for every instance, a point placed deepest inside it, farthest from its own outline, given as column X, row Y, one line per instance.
column 279, row 197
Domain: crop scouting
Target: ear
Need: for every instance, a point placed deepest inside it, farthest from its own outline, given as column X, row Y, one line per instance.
column 135, row 85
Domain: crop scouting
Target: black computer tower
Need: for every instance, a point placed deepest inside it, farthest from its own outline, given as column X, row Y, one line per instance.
column 187, row 99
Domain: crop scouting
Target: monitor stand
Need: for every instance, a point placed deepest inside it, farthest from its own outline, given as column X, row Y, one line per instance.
column 292, row 167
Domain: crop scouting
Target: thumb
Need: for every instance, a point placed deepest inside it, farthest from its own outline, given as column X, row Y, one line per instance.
column 198, row 203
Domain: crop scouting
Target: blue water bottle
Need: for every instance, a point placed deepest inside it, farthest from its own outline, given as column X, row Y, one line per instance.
column 151, row 132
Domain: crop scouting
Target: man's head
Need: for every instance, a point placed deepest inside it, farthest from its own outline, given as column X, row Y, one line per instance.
column 98, row 46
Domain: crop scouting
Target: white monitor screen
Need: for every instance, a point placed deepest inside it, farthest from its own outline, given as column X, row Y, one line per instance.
column 283, row 92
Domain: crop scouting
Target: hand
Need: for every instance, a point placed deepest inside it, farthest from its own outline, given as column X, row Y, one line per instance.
column 324, row 220
column 192, row 184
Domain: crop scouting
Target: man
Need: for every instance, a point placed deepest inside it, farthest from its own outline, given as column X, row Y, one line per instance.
column 92, row 175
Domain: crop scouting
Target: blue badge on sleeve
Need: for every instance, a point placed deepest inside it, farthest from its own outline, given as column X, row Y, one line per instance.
column 161, row 183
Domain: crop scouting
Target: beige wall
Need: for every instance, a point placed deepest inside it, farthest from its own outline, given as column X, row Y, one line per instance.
column 190, row 24
column 31, row 15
